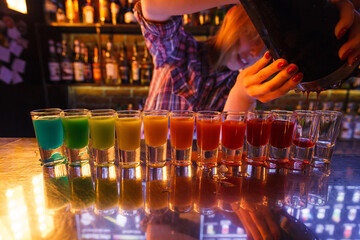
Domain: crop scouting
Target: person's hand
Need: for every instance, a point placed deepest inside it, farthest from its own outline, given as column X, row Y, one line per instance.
column 349, row 22
column 254, row 83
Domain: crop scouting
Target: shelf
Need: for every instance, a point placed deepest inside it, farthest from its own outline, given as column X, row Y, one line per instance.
column 80, row 28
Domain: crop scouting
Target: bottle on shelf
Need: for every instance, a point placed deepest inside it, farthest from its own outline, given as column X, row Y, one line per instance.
column 76, row 11
column 50, row 8
column 129, row 16
column 53, row 63
column 87, row 64
column 88, row 13
column 219, row 16
column 146, row 68
column 135, row 66
column 124, row 68
column 115, row 11
column 347, row 128
column 70, row 14
column 78, row 63
column 60, row 13
column 96, row 66
column 104, row 15
column 66, row 64
column 111, row 68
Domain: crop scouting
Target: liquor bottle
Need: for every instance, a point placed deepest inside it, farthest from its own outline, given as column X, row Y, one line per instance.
column 115, row 10
column 146, row 68
column 135, row 66
column 219, row 16
column 50, row 8
column 129, row 16
column 58, row 55
column 60, row 13
column 66, row 64
column 69, row 6
column 104, row 15
column 88, row 13
column 78, row 64
column 111, row 68
column 87, row 64
column 76, row 11
column 124, row 68
column 347, row 127
column 356, row 135
column 96, row 66
column 53, row 63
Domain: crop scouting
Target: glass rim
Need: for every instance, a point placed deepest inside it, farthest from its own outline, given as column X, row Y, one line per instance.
column 208, row 112
column 234, row 112
column 100, row 112
column 74, row 111
column 128, row 113
column 46, row 111
column 181, row 111
column 329, row 112
column 282, row 111
column 161, row 112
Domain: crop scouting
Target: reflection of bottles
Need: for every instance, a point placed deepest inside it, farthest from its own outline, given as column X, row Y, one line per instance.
column 96, row 66
column 205, row 200
column 106, row 190
column 66, row 64
column 88, row 13
column 131, row 196
column 82, row 187
column 111, row 67
column 124, row 69
column 146, row 68
column 53, row 63
column 56, row 184
column 181, row 195
column 78, row 63
column 135, row 66
column 157, row 200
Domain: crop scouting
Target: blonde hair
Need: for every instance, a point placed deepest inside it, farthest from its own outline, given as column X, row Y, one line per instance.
column 226, row 40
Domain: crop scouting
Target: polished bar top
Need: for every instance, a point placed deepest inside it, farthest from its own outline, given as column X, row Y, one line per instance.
column 238, row 202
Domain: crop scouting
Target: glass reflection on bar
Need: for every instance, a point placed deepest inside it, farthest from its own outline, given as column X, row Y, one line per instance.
column 181, row 194
column 157, row 190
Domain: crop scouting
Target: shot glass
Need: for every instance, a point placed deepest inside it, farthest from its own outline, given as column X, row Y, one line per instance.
column 330, row 122
column 157, row 190
column 297, row 189
column 232, row 136
column 102, row 135
column 49, row 135
column 181, row 135
column 76, row 134
column 319, row 189
column 156, row 124
column 205, row 190
column 106, row 190
column 128, row 133
column 131, row 201
column 281, row 133
column 81, row 187
column 181, row 194
column 208, row 127
column 304, row 138
column 257, row 136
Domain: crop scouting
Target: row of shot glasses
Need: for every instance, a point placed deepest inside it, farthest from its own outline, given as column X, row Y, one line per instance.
column 272, row 137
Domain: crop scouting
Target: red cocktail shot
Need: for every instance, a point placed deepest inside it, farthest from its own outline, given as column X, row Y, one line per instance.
column 281, row 133
column 258, row 132
column 233, row 133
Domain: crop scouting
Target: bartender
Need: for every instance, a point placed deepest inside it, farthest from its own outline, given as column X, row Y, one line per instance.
column 229, row 71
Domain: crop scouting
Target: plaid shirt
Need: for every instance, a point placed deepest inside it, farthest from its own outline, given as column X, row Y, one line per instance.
column 182, row 79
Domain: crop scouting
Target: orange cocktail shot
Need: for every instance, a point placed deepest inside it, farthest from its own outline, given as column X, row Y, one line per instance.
column 208, row 126
column 181, row 135
column 156, row 124
column 128, row 133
